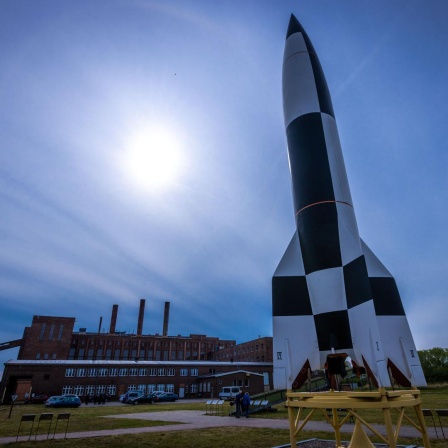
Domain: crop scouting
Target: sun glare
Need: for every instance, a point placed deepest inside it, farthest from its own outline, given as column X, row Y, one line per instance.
column 154, row 158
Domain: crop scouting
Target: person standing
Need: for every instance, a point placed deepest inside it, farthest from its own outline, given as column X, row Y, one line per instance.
column 238, row 403
column 246, row 404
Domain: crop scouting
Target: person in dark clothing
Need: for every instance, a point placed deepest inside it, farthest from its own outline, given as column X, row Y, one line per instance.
column 238, row 403
column 246, row 404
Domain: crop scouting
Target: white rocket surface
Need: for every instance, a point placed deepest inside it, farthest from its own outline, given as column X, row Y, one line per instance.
column 330, row 293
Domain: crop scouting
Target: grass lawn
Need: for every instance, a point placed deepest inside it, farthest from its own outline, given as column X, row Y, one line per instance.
column 88, row 418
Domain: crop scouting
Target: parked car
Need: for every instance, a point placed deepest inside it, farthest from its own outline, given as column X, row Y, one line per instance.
column 167, row 396
column 229, row 392
column 64, row 402
column 37, row 399
column 158, row 392
column 130, row 396
column 52, row 399
column 146, row 398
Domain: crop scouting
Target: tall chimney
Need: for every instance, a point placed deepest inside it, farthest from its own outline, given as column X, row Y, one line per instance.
column 113, row 319
column 166, row 316
column 141, row 314
column 99, row 326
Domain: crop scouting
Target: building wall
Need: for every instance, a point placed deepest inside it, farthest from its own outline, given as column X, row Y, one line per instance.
column 258, row 350
column 50, row 349
column 48, row 338
column 116, row 377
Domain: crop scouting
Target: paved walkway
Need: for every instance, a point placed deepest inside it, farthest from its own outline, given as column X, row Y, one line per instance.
column 189, row 420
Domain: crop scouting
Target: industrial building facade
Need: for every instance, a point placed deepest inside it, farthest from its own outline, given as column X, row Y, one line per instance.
column 54, row 360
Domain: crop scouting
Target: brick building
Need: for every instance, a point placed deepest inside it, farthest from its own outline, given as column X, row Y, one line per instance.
column 53, row 359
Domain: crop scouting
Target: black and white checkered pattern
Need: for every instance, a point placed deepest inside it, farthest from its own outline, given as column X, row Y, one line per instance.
column 329, row 293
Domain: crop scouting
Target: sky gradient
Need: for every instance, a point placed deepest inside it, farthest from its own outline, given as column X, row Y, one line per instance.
column 81, row 81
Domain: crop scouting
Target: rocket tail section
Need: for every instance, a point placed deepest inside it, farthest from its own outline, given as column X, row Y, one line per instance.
column 295, row 339
column 398, row 344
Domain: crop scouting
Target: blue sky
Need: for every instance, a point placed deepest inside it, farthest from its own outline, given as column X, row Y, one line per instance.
column 81, row 82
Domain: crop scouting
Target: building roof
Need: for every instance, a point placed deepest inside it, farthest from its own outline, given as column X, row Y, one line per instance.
column 79, row 362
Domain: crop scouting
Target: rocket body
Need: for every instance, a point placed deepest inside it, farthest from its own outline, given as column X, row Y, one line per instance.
column 330, row 293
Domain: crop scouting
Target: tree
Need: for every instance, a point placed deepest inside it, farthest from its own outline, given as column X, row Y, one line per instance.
column 435, row 364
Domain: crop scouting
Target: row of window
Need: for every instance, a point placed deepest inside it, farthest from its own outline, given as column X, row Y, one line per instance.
column 107, row 372
column 51, row 334
column 156, row 344
column 111, row 389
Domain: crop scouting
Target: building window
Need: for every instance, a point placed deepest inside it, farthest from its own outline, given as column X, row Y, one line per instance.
column 161, row 387
column 108, row 353
column 170, row 388
column 161, row 372
column 143, row 372
column 123, row 372
column 133, row 372
column 78, row 390
column 37, row 355
column 142, row 388
column 102, row 372
column 111, row 389
column 152, row 372
column 90, row 389
column 132, row 387
column 69, row 372
column 194, row 372
column 81, row 372
column 71, row 353
column 53, row 356
column 113, row 372
column 183, row 372
column 151, row 388
column 101, row 389
column 193, row 388
column 92, row 372
column 50, row 336
column 67, row 390
column 61, row 329
column 171, row 372
column 42, row 331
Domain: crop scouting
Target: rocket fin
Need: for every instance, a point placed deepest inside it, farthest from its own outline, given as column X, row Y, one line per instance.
column 397, row 341
column 295, row 341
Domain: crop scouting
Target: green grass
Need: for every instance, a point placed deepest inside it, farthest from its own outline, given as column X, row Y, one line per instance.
column 91, row 418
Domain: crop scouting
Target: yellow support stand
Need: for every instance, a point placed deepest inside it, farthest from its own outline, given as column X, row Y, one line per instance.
column 328, row 403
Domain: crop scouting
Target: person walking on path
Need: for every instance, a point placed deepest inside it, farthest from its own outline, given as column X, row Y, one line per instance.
column 238, row 403
column 246, row 404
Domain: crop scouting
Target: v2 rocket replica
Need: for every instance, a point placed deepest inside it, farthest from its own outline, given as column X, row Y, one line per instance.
column 331, row 296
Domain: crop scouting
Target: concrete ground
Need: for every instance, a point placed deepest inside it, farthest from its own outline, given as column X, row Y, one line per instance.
column 190, row 420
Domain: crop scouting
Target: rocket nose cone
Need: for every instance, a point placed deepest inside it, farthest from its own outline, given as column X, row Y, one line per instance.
column 294, row 26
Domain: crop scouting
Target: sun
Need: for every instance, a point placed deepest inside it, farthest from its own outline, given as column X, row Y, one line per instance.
column 153, row 158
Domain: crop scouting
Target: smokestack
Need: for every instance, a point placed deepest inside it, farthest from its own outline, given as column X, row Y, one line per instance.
column 141, row 314
column 113, row 319
column 166, row 316
column 99, row 326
